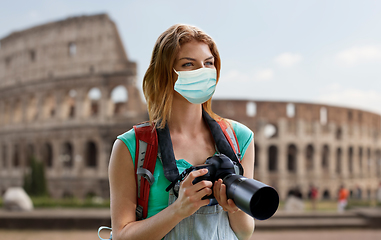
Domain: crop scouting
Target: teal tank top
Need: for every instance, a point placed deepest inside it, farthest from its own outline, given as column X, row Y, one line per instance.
column 158, row 196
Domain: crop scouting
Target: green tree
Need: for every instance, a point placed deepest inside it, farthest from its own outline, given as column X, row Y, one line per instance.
column 35, row 181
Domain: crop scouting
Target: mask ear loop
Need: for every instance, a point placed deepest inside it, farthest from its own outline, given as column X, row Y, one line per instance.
column 100, row 229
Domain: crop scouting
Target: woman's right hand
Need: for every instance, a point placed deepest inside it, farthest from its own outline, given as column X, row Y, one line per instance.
column 190, row 195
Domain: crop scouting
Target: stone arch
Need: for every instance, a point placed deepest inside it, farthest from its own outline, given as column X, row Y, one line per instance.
column 251, row 109
column 378, row 162
column 30, row 154
column 339, row 133
column 49, row 106
column 47, row 155
column 31, row 114
column 4, row 157
column 273, row 158
column 119, row 98
column 350, row 159
column 361, row 159
column 67, row 157
column 292, row 158
column 91, row 154
column 16, row 156
column 310, row 157
column 69, row 104
column 326, row 195
column 7, row 113
column 270, row 130
column 369, row 160
column 325, row 157
column 17, row 111
column 323, row 116
column 290, row 110
column 92, row 102
column 338, row 160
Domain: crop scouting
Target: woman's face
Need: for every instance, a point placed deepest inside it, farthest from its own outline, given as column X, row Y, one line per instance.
column 193, row 55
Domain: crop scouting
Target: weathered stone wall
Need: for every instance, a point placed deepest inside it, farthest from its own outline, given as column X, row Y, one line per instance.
column 59, row 85
column 299, row 144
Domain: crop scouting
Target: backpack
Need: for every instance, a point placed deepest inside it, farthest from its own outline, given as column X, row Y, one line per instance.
column 147, row 150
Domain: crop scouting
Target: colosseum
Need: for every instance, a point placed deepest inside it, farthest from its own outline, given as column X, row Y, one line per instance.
column 67, row 89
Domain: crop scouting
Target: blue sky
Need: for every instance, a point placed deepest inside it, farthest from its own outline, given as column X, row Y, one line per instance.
column 287, row 50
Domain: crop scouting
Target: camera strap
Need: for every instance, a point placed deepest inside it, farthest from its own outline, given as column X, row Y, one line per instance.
column 221, row 140
column 224, row 140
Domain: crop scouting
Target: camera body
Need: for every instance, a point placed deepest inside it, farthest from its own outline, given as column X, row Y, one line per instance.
column 219, row 166
column 251, row 196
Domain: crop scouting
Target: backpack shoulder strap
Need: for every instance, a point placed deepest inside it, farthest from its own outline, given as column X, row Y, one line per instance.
column 145, row 161
column 230, row 136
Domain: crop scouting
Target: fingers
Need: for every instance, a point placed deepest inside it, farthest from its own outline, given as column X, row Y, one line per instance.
column 219, row 190
column 188, row 181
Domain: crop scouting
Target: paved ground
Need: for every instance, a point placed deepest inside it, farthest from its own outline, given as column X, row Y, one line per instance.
column 260, row 235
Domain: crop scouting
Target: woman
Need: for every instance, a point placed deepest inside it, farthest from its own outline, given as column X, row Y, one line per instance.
column 179, row 51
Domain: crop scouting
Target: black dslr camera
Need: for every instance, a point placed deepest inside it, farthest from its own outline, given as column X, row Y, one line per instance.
column 253, row 197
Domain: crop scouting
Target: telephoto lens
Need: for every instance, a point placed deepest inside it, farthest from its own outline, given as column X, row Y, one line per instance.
column 251, row 196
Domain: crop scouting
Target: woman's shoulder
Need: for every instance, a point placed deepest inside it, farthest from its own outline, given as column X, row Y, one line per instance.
column 129, row 139
column 128, row 136
column 240, row 129
column 244, row 135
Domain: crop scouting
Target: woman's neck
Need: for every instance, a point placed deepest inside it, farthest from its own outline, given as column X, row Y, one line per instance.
column 186, row 118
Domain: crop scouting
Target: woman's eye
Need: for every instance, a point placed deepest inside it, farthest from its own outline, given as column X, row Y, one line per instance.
column 187, row 64
column 209, row 63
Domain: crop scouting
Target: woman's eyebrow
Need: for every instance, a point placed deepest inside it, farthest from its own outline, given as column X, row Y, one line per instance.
column 192, row 59
column 188, row 58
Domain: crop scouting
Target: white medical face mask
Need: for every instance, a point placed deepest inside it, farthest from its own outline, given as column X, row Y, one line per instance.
column 196, row 86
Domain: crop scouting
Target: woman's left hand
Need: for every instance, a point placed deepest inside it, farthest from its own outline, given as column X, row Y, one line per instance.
column 219, row 191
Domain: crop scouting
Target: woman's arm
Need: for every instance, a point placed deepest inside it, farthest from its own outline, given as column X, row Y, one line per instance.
column 123, row 200
column 241, row 223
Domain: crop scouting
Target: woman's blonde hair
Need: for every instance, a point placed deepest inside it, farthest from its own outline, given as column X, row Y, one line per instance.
column 158, row 81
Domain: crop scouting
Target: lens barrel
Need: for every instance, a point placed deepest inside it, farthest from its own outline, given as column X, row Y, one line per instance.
column 251, row 196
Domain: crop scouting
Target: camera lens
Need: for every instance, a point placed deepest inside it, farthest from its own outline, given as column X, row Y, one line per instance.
column 253, row 197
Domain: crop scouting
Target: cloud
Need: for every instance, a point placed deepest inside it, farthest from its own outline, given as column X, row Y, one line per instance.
column 336, row 94
column 256, row 76
column 356, row 55
column 288, row 59
column 264, row 74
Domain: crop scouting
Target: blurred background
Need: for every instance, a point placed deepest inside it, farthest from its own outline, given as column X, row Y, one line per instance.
column 303, row 75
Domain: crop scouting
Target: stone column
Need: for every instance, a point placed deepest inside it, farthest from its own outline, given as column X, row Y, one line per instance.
column 282, row 170
column 356, row 162
column 103, row 154
column 59, row 109
column 317, row 161
column 368, row 158
column 344, row 162
column 79, row 103
column 332, row 161
column 263, row 164
column 57, row 158
column 79, row 156
column 2, row 111
column 300, row 163
column 40, row 107
column 282, row 161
